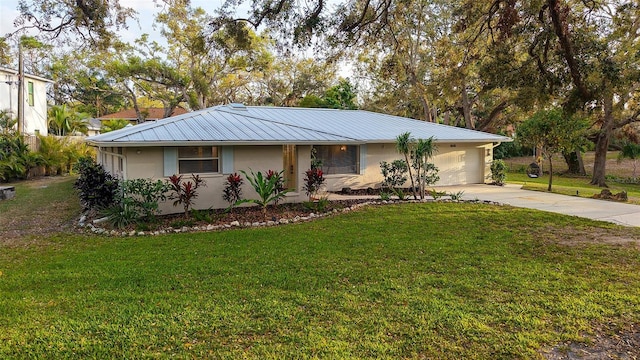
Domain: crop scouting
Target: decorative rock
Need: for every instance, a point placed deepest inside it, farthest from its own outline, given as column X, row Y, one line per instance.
column 247, row 224
column 132, row 232
column 101, row 220
column 209, row 227
column 284, row 221
column 255, row 224
column 271, row 223
column 83, row 218
column 140, row 233
column 235, row 223
column 312, row 215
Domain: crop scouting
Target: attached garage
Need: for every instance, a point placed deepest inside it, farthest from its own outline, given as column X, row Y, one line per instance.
column 461, row 164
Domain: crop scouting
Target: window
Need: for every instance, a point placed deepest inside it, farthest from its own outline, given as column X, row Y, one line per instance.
column 198, row 159
column 338, row 159
column 30, row 92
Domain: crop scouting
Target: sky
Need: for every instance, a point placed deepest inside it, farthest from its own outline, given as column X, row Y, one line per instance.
column 146, row 13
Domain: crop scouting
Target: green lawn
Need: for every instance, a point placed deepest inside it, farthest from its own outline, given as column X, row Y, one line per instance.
column 572, row 185
column 441, row 281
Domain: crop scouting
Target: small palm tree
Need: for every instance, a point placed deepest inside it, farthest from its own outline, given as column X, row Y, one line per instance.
column 424, row 150
column 404, row 145
column 630, row 151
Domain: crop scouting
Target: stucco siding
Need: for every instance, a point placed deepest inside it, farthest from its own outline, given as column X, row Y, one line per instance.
column 466, row 163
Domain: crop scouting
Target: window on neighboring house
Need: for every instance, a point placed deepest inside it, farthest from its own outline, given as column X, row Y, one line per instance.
column 30, row 93
column 338, row 159
column 198, row 159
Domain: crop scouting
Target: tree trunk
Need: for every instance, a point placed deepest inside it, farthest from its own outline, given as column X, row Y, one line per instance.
column 466, row 109
column 575, row 163
column 426, row 108
column 602, row 143
column 550, row 174
column 447, row 115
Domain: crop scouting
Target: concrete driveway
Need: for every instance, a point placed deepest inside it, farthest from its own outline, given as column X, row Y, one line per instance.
column 618, row 213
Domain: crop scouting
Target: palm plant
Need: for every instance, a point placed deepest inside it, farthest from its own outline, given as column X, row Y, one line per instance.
column 53, row 154
column 423, row 151
column 65, row 121
column 267, row 188
column 404, row 145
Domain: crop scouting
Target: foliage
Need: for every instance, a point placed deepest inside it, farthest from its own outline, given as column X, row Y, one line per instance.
column 435, row 194
column 121, row 213
column 320, row 205
column 184, row 193
column 394, row 175
column 202, row 215
column 113, row 124
column 498, row 172
column 404, row 145
column 15, row 157
column 279, row 184
column 143, row 196
column 456, row 196
column 96, row 187
column 66, row 121
column 341, row 96
column 553, row 132
column 630, row 151
column 511, row 149
column 269, row 189
column 232, row 192
column 426, row 172
column 93, row 23
column 313, row 181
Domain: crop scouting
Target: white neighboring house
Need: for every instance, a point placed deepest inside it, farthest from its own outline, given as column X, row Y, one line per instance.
column 35, row 100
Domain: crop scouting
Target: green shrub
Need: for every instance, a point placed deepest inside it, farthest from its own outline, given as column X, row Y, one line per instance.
column 498, row 172
column 96, row 187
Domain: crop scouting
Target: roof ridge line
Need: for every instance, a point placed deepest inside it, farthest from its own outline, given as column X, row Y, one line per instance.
column 291, row 125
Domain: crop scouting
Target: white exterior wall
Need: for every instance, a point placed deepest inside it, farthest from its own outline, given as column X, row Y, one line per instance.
column 459, row 164
column 35, row 117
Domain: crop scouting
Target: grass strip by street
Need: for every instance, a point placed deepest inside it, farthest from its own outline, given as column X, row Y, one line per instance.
column 572, row 186
column 433, row 280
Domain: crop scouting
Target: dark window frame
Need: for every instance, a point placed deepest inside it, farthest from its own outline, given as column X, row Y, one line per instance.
column 334, row 163
column 215, row 159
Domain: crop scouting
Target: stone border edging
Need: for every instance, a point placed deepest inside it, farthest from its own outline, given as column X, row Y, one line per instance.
column 91, row 226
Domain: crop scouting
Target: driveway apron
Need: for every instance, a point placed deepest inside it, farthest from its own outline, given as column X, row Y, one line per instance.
column 511, row 194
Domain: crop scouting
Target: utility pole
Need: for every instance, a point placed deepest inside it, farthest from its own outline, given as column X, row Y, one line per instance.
column 20, row 90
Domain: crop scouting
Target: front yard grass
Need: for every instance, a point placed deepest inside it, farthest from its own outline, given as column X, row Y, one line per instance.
column 435, row 280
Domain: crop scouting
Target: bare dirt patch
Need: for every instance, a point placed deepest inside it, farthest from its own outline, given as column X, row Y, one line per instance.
column 623, row 344
column 590, row 236
column 25, row 220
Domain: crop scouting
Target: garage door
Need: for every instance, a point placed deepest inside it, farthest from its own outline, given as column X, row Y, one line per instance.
column 460, row 166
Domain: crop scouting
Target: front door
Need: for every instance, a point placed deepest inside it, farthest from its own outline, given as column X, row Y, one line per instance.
column 290, row 166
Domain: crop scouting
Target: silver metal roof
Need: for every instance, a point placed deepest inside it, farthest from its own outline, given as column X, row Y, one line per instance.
column 236, row 124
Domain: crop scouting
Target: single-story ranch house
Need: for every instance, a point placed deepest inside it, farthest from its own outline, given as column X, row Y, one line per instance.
column 221, row 140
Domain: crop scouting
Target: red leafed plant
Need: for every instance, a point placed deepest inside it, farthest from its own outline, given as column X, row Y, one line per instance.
column 278, row 183
column 184, row 192
column 313, row 181
column 232, row 192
